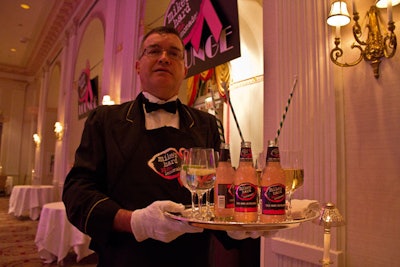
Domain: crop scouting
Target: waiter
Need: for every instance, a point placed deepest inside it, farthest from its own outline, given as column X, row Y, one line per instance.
column 126, row 169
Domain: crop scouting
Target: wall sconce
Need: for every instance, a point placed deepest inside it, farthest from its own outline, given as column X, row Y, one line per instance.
column 36, row 139
column 376, row 46
column 107, row 100
column 329, row 217
column 58, row 130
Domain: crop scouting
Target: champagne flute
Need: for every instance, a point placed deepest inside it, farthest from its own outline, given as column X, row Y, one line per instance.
column 183, row 173
column 292, row 164
column 201, row 173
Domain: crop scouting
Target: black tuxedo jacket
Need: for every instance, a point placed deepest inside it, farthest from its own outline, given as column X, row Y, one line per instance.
column 113, row 139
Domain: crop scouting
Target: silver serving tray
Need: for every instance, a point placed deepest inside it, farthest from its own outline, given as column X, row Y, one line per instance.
column 240, row 226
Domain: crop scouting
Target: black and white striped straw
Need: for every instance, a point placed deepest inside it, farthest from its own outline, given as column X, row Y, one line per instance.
column 219, row 123
column 278, row 132
column 234, row 115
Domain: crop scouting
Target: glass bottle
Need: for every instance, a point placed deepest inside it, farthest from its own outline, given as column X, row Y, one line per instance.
column 273, row 187
column 224, row 200
column 246, row 187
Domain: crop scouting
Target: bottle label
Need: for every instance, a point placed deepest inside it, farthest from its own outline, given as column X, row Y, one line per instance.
column 273, row 154
column 246, row 154
column 226, row 197
column 246, row 197
column 273, row 199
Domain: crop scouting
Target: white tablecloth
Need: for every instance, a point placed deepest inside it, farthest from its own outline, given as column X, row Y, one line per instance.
column 55, row 235
column 30, row 198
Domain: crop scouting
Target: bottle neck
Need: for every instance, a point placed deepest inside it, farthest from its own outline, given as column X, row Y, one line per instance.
column 224, row 155
column 273, row 155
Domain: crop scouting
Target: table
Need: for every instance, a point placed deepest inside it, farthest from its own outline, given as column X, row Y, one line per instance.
column 30, row 198
column 55, row 235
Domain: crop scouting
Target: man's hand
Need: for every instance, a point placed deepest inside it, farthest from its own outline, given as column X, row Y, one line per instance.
column 151, row 222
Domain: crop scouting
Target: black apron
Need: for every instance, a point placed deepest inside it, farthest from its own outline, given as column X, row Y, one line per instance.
column 158, row 155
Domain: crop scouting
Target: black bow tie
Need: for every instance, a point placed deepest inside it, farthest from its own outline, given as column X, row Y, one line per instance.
column 168, row 106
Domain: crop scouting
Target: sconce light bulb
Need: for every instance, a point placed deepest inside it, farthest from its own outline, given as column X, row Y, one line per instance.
column 384, row 3
column 36, row 139
column 338, row 16
column 58, row 130
column 58, row 127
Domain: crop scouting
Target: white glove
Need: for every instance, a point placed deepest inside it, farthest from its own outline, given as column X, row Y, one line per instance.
column 239, row 235
column 151, row 222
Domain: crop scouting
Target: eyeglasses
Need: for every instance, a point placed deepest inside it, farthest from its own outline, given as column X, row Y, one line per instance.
column 156, row 52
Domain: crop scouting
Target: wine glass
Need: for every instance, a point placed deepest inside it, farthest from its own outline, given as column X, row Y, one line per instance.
column 183, row 173
column 210, row 214
column 292, row 164
column 200, row 175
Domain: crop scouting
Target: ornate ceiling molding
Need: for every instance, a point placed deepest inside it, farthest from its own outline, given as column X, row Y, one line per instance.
column 60, row 16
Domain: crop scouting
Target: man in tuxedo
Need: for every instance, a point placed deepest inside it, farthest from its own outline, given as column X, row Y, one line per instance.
column 126, row 170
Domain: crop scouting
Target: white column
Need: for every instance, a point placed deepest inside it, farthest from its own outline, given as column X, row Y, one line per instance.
column 110, row 49
column 39, row 157
column 134, row 13
column 295, row 44
column 121, row 44
column 61, row 166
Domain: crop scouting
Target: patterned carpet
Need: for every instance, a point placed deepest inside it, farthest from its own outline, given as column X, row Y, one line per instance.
column 18, row 249
column 17, row 246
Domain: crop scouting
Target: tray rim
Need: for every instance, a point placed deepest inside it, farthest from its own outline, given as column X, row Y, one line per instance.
column 243, row 226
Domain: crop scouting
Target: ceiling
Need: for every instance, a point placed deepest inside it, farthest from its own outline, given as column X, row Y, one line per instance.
column 32, row 32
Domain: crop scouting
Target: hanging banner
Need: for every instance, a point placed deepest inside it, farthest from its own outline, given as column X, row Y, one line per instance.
column 87, row 93
column 209, row 30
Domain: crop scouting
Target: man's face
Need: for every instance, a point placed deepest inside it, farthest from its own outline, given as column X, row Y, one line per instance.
column 161, row 67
